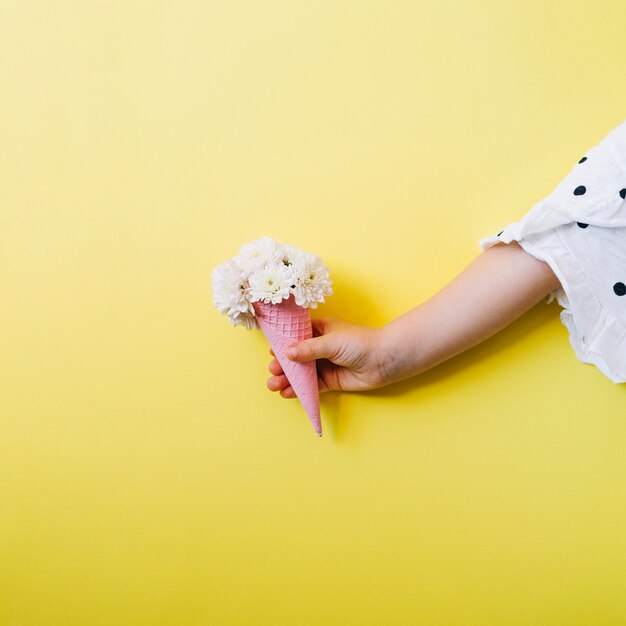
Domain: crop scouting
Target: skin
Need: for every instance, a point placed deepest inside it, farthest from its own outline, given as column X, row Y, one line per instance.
column 351, row 357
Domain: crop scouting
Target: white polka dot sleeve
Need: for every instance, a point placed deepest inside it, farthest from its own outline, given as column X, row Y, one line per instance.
column 579, row 229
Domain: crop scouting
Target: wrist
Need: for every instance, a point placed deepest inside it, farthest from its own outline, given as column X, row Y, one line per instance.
column 391, row 354
column 402, row 350
column 382, row 357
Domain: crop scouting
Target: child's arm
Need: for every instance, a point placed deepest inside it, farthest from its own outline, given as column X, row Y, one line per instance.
column 494, row 289
column 498, row 286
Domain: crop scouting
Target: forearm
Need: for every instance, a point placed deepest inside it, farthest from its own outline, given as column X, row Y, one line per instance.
column 498, row 286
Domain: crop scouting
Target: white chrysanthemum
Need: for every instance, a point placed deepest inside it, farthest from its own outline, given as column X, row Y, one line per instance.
column 311, row 280
column 247, row 319
column 271, row 284
column 289, row 254
column 257, row 254
column 269, row 271
column 230, row 294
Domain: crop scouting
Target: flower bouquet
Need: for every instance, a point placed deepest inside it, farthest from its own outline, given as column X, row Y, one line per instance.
column 273, row 286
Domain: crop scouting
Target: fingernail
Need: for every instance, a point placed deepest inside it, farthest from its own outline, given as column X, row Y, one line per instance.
column 292, row 353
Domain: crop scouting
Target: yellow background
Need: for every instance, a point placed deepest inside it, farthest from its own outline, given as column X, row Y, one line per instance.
column 147, row 475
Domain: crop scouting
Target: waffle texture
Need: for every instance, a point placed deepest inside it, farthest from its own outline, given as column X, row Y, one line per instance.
column 283, row 324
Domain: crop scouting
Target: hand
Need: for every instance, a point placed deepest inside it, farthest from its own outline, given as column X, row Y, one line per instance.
column 350, row 358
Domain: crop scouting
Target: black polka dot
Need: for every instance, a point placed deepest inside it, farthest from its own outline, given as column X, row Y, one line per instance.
column 582, row 224
column 580, row 190
column 583, row 160
column 499, row 233
column 622, row 193
column 619, row 289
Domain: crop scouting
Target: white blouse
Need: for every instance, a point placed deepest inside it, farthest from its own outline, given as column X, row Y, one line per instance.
column 579, row 229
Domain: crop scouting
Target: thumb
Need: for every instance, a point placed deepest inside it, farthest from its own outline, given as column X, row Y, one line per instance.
column 321, row 347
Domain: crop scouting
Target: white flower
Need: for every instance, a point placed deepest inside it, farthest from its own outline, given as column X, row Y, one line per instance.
column 269, row 271
column 257, row 254
column 230, row 294
column 311, row 281
column 290, row 254
column 247, row 319
column 271, row 284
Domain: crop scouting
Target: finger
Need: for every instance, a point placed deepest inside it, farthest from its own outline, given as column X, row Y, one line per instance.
column 276, row 383
column 325, row 325
column 318, row 324
column 275, row 367
column 288, row 392
column 272, row 352
column 322, row 347
column 326, row 375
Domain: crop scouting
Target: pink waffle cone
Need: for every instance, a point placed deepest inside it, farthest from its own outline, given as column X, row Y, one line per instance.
column 283, row 324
